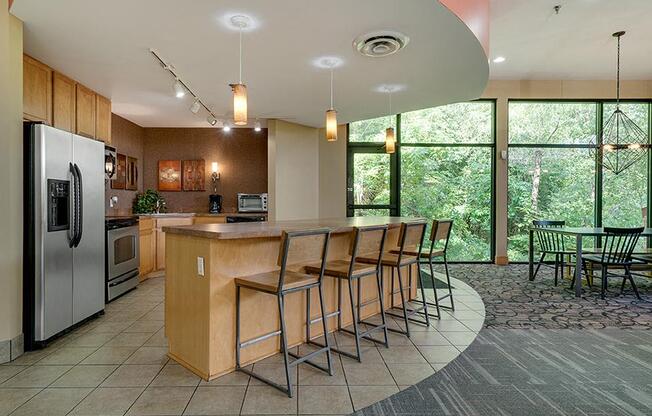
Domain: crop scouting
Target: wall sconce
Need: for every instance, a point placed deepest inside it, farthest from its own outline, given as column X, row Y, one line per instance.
column 109, row 162
column 215, row 175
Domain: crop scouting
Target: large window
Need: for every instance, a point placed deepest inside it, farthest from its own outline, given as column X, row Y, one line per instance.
column 555, row 174
column 443, row 168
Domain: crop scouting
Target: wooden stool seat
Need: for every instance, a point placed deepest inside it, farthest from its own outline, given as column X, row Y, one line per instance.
column 425, row 254
column 268, row 282
column 340, row 269
column 389, row 259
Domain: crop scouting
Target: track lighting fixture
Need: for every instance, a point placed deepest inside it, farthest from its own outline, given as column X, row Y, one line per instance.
column 257, row 126
column 194, row 108
column 227, row 127
column 180, row 89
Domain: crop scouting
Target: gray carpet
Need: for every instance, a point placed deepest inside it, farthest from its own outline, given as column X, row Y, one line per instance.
column 545, row 368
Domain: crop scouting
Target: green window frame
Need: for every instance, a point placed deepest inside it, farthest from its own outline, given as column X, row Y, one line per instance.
column 394, row 205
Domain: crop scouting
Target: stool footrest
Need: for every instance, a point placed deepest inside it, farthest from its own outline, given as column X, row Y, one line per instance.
column 418, row 321
column 306, row 358
column 259, row 339
column 328, row 315
column 369, row 302
column 264, row 380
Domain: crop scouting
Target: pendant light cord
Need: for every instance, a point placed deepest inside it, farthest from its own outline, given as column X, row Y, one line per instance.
column 618, row 77
column 390, row 103
column 331, row 88
column 240, row 73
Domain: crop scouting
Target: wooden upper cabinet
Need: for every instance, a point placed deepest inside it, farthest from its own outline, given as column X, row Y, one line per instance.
column 103, row 119
column 85, row 110
column 37, row 91
column 64, row 99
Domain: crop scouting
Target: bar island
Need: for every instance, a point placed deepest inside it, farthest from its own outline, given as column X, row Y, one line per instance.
column 204, row 259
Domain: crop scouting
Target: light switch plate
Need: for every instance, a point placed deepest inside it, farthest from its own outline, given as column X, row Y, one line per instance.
column 200, row 266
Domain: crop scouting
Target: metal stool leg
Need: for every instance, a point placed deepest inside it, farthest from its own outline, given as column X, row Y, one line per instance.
column 325, row 325
column 284, row 345
column 423, row 293
column 405, row 315
column 434, row 287
column 450, row 288
column 355, row 317
column 382, row 306
column 237, row 327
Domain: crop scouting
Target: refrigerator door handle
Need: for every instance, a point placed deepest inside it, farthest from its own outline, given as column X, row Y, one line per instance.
column 80, row 206
column 72, row 204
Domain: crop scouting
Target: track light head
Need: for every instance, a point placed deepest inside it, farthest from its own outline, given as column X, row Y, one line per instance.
column 179, row 89
column 195, row 107
column 211, row 120
column 257, row 126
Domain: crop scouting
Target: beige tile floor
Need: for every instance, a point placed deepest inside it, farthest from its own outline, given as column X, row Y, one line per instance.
column 117, row 365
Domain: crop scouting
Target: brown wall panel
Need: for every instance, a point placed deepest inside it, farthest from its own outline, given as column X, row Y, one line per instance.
column 241, row 154
column 128, row 139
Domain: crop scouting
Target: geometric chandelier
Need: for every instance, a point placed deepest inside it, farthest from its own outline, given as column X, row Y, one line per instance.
column 622, row 142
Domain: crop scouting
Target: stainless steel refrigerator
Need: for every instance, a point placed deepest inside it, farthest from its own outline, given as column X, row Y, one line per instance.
column 63, row 231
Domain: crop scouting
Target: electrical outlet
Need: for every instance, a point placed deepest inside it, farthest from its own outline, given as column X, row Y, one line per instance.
column 200, row 266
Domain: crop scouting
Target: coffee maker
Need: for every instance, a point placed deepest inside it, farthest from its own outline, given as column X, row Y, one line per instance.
column 215, row 204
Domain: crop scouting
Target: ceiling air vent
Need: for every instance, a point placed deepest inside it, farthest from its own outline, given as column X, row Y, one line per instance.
column 382, row 43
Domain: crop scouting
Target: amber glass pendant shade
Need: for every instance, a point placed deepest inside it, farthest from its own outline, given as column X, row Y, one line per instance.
column 331, row 125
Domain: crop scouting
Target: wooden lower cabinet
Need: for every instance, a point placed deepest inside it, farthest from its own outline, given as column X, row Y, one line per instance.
column 147, row 247
column 152, row 239
column 160, row 236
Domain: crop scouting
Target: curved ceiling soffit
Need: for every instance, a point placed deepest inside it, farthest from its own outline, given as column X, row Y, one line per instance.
column 475, row 15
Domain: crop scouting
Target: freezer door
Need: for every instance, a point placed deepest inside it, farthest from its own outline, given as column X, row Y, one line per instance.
column 88, row 256
column 53, row 255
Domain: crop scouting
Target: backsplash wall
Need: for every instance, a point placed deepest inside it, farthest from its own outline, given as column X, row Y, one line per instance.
column 128, row 139
column 241, row 154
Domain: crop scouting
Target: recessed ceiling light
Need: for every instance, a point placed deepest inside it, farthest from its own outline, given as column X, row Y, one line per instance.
column 328, row 62
column 499, row 59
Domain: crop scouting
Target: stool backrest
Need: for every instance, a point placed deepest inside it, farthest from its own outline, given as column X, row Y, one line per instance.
column 369, row 239
column 439, row 234
column 312, row 240
column 619, row 244
column 411, row 235
column 549, row 241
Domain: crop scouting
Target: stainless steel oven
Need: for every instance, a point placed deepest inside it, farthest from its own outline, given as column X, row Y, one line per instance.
column 252, row 202
column 122, row 256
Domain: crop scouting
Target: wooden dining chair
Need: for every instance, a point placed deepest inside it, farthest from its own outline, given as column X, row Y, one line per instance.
column 619, row 244
column 551, row 244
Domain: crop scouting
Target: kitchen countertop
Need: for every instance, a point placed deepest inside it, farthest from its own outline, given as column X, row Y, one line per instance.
column 275, row 228
column 205, row 214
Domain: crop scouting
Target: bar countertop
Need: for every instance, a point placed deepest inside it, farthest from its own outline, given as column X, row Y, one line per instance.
column 274, row 228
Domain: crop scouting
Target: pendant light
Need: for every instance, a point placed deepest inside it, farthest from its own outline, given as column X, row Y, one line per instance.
column 240, row 89
column 622, row 141
column 331, row 115
column 390, row 137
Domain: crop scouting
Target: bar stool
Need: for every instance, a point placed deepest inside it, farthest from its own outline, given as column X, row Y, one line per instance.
column 411, row 235
column 371, row 238
column 439, row 235
column 280, row 283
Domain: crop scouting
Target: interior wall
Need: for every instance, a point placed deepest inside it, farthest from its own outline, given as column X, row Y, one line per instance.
column 332, row 175
column 128, row 138
column 11, row 186
column 293, row 171
column 241, row 154
column 502, row 91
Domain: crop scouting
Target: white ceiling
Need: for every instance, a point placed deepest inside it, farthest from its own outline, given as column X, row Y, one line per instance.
column 575, row 44
column 104, row 44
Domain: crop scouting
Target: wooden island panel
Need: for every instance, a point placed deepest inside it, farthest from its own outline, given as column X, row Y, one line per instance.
column 200, row 311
